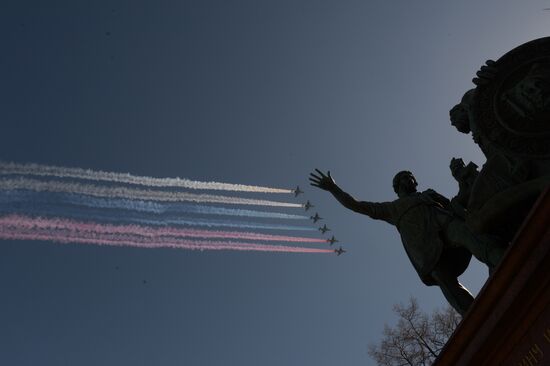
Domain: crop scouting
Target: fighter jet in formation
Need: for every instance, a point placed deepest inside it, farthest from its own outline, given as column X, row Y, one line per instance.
column 316, row 217
column 324, row 229
column 339, row 251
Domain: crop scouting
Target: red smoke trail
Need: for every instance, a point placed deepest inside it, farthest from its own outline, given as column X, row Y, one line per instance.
column 190, row 245
column 67, row 236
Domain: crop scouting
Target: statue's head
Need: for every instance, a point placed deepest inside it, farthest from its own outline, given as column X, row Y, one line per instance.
column 404, row 183
column 460, row 113
column 456, row 166
column 459, row 118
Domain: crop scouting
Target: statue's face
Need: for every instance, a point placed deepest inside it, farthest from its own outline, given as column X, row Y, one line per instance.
column 460, row 119
column 407, row 183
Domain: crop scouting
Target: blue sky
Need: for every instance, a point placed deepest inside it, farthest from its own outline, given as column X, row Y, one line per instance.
column 250, row 92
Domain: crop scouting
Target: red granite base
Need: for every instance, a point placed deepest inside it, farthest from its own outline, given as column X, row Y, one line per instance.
column 509, row 322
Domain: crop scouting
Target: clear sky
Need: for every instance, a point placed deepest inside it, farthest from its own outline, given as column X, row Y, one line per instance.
column 251, row 92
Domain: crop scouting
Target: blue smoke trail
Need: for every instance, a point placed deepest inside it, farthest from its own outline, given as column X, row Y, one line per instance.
column 41, row 209
column 9, row 196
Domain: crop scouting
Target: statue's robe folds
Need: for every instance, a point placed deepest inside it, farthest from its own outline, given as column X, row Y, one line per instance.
column 421, row 219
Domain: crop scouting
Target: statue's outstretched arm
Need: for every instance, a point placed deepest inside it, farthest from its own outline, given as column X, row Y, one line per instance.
column 378, row 211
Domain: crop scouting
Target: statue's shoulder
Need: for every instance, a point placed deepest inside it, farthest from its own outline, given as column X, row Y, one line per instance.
column 433, row 195
column 429, row 191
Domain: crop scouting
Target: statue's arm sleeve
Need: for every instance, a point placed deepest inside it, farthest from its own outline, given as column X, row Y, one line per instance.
column 375, row 210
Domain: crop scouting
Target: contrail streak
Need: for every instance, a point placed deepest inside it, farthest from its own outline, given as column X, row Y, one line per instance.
column 27, row 222
column 7, row 232
column 9, row 168
column 132, row 193
column 40, row 209
column 12, row 196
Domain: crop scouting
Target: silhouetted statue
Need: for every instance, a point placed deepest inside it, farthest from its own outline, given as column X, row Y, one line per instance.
column 508, row 114
column 438, row 243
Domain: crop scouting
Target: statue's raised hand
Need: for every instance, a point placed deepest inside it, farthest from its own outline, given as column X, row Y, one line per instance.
column 322, row 181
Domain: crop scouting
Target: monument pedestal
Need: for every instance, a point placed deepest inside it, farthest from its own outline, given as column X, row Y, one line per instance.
column 509, row 322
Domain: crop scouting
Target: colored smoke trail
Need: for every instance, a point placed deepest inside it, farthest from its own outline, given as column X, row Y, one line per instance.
column 39, row 209
column 47, row 203
column 39, row 223
column 13, row 196
column 78, row 173
column 12, row 233
column 132, row 193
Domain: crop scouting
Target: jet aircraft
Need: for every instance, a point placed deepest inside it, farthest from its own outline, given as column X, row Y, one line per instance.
column 297, row 191
column 339, row 251
column 324, row 229
column 308, row 205
column 332, row 240
column 316, row 217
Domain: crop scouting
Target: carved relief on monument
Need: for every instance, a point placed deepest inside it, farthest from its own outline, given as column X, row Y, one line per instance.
column 512, row 111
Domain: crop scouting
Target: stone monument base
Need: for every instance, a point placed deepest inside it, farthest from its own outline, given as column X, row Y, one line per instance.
column 509, row 322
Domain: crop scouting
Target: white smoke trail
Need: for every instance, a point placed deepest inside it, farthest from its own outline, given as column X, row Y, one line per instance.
column 132, row 193
column 9, row 168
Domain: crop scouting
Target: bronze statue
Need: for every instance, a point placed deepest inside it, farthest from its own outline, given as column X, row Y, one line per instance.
column 438, row 243
column 508, row 114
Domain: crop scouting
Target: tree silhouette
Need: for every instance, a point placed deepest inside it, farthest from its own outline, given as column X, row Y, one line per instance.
column 417, row 338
